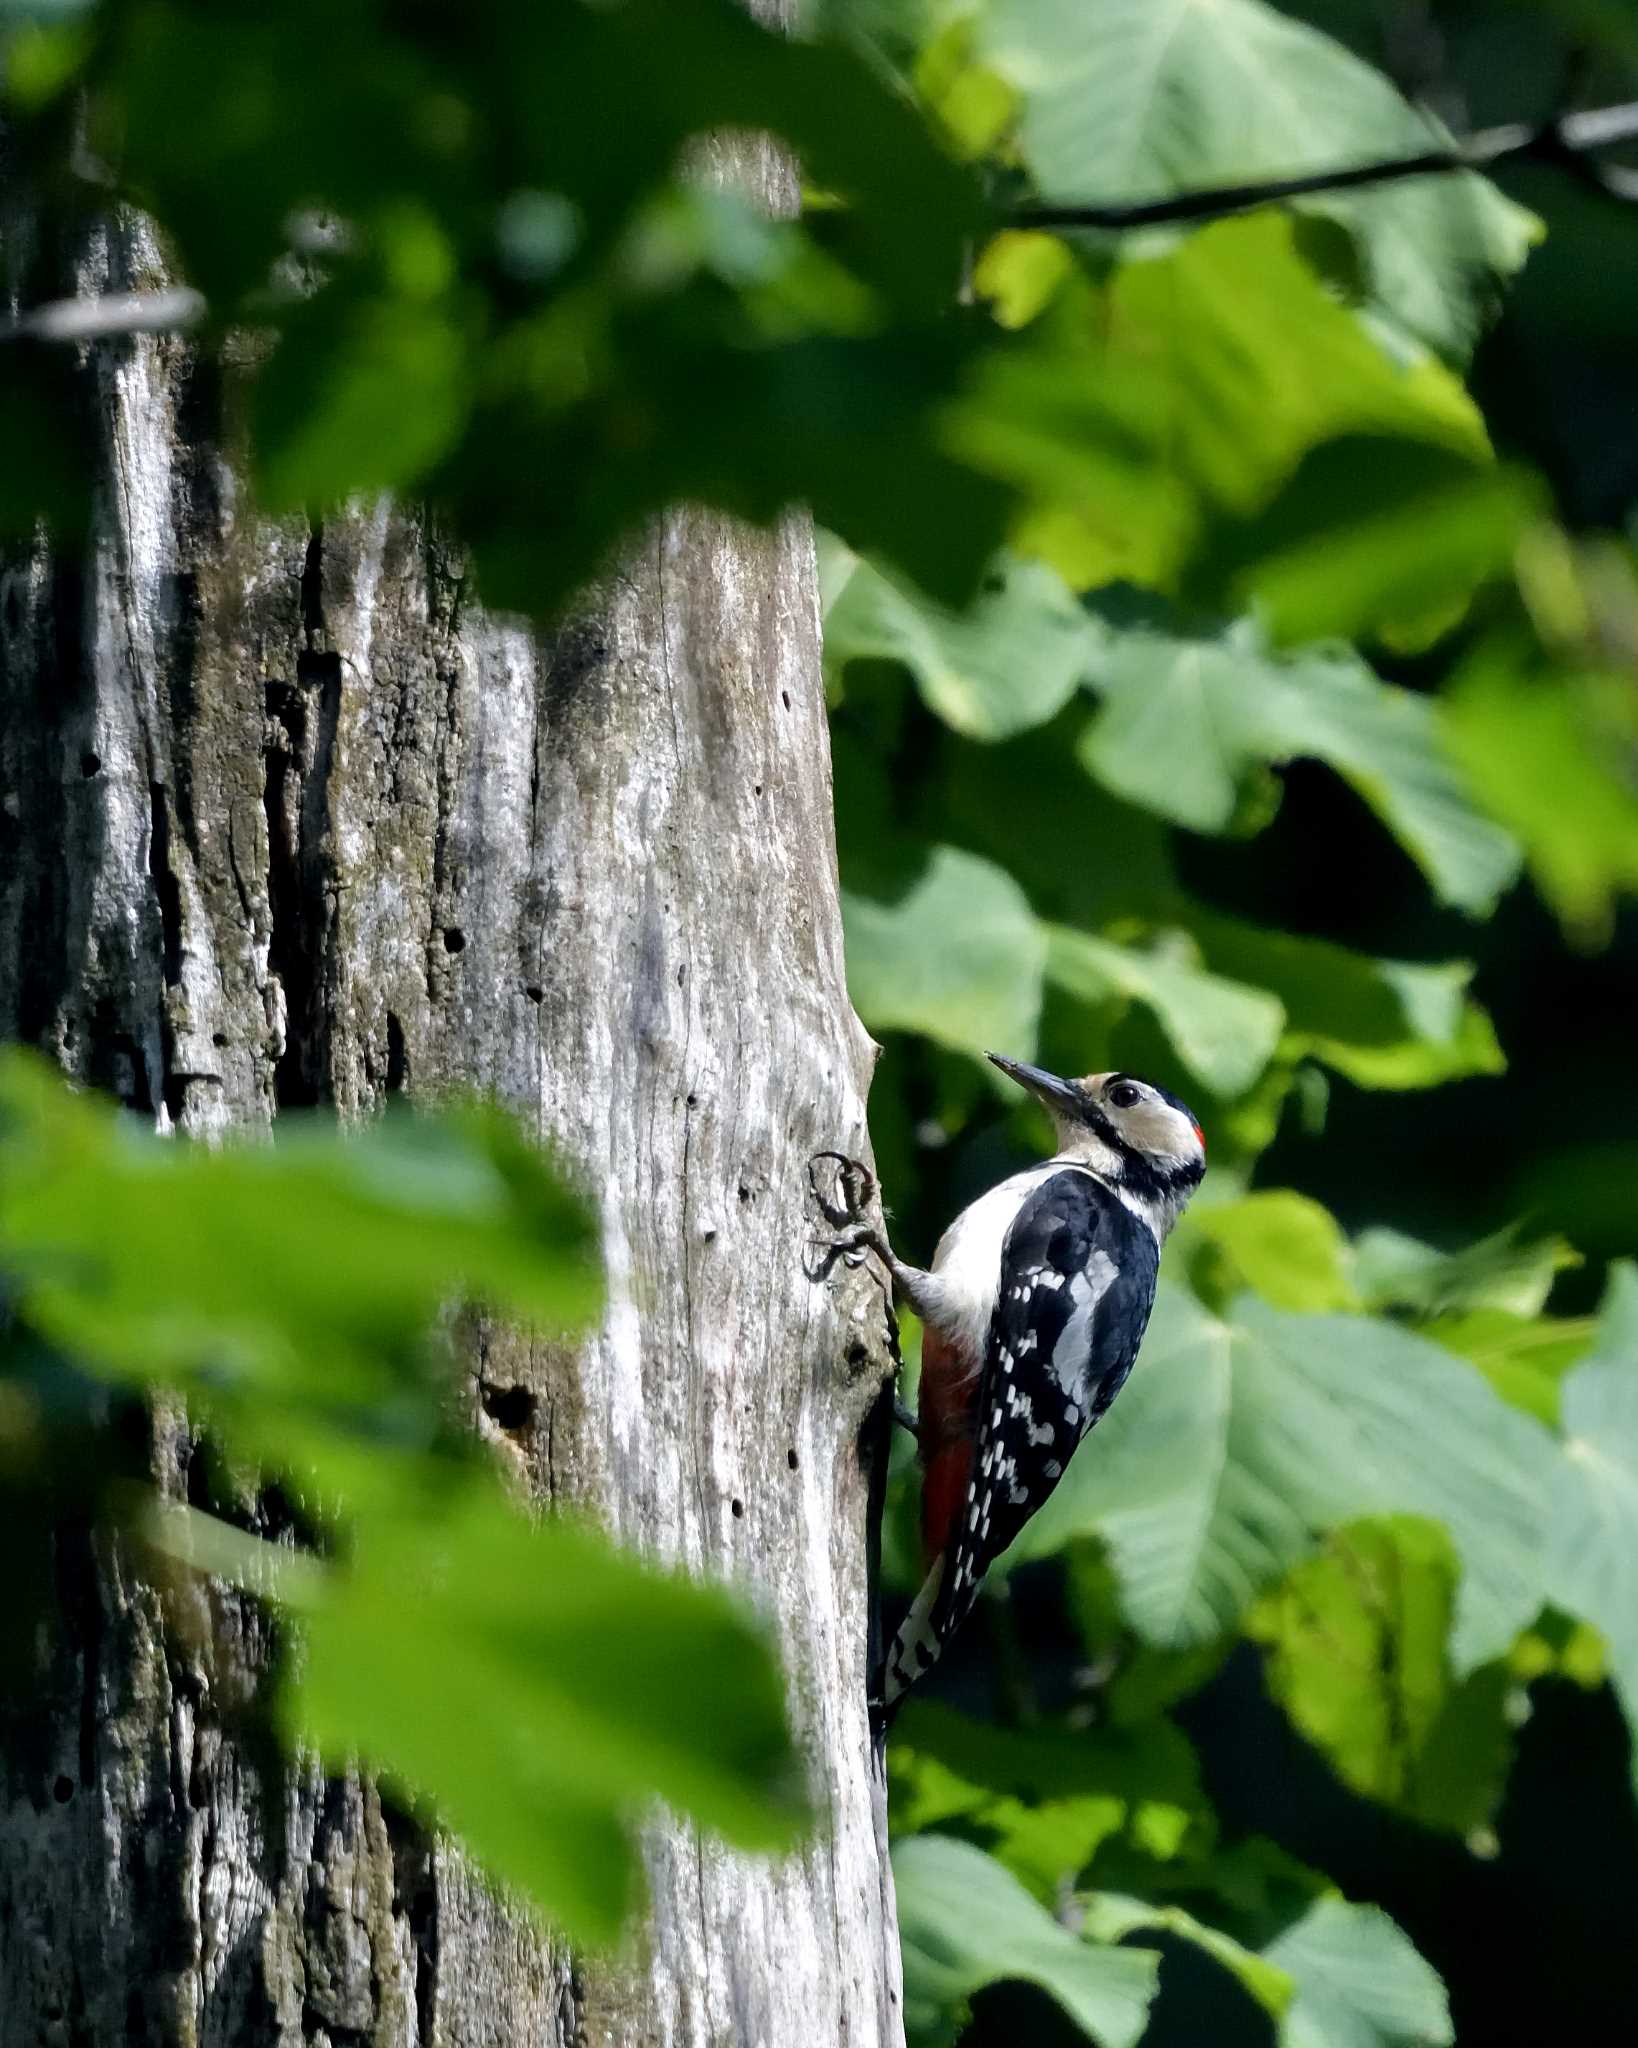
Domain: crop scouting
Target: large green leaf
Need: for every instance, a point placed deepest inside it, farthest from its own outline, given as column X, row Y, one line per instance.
column 1241, row 1437
column 1143, row 414
column 1504, row 1271
column 1592, row 1536
column 1141, row 98
column 1359, row 1982
column 1189, row 720
column 1382, row 1023
column 1009, row 662
column 1356, row 1640
column 195, row 1268
column 597, row 1681
column 1548, row 751
column 945, row 944
column 286, row 1288
column 1221, row 1030
column 1339, row 1976
column 1045, row 1799
column 966, row 1922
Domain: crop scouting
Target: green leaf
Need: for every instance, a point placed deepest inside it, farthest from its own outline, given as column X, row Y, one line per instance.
column 1241, row 1438
column 363, row 394
column 1359, row 1982
column 1592, row 1534
column 1544, row 752
column 178, row 1265
column 1283, row 1245
column 1339, row 1976
column 1503, row 1271
column 947, row 945
column 1111, row 1916
column 1137, row 99
column 965, row 1922
column 1045, row 1799
column 1382, row 1023
column 1524, row 1358
column 1356, row 1655
column 1221, row 1030
column 1373, row 535
column 1188, row 720
column 597, row 1681
column 1009, row 662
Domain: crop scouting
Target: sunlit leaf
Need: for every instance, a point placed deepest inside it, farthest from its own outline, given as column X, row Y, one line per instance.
column 1222, row 1030
column 1043, row 1800
column 1359, row 1982
column 1188, row 720
column 1241, row 1438
column 965, row 1922
column 1382, row 1023
column 1356, row 1640
column 1010, row 661
column 946, row 945
column 1592, row 1534
column 1283, row 1245
column 1504, row 1271
column 1136, row 99
column 1550, row 754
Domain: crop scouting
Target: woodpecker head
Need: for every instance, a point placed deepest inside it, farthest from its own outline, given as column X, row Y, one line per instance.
column 1127, row 1130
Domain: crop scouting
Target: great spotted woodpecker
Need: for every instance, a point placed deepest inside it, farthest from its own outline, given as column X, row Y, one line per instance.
column 1032, row 1315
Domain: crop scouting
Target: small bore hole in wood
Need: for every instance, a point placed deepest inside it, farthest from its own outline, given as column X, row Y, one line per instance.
column 790, row 1459
column 756, row 788
column 510, row 1408
column 744, row 1192
column 90, row 764
column 535, row 992
column 785, row 699
column 738, row 1507
column 454, row 939
column 218, row 1039
column 693, row 1102
column 857, row 1355
column 63, row 1791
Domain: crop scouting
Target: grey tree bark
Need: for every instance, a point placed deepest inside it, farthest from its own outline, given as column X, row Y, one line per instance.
column 286, row 817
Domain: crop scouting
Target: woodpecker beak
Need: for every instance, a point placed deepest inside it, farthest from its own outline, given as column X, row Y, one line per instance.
column 1057, row 1095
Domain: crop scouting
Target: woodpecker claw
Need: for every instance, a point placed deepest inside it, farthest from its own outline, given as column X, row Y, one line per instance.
column 855, row 1184
column 852, row 1247
column 906, row 1417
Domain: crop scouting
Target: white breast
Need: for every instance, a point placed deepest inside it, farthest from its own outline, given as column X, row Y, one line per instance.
column 968, row 1260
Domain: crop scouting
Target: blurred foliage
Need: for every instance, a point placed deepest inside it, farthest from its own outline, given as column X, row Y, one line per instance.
column 289, row 1291
column 1232, row 642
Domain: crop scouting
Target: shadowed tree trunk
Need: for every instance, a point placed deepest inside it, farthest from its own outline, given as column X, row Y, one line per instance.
column 287, row 818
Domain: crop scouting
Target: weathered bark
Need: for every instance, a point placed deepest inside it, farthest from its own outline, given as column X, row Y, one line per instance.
column 285, row 817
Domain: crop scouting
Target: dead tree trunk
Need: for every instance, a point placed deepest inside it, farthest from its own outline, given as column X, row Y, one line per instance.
column 286, row 818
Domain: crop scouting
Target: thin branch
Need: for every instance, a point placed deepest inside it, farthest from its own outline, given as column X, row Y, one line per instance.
column 1571, row 136
column 114, row 313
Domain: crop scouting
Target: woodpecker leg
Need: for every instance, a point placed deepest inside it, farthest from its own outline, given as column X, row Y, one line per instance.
column 920, row 1289
column 906, row 1417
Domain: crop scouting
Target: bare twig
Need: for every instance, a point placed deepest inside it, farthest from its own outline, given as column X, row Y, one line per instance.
column 114, row 313
column 1570, row 136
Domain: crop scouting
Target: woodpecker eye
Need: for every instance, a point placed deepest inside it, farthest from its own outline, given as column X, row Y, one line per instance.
column 1124, row 1096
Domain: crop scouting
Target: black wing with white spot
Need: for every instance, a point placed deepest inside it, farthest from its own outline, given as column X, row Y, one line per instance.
column 1077, row 1284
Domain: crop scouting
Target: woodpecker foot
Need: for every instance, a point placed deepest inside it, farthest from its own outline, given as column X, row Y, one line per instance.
column 906, row 1417
column 853, row 1246
column 853, row 1189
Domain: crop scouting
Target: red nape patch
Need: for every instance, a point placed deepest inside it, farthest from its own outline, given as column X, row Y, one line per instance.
column 1200, row 1134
